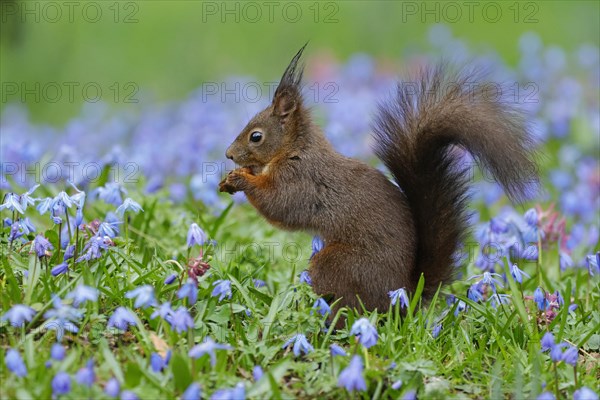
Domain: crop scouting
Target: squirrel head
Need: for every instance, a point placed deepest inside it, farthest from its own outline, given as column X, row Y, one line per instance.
column 272, row 132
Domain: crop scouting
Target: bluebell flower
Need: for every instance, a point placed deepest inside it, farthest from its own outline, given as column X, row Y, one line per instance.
column 530, row 253
column 42, row 246
column 61, row 383
column 62, row 317
column 545, row 396
column 12, row 203
column 305, row 278
column 585, row 393
column 59, row 269
column 195, row 235
column 86, row 376
column 111, row 193
column 593, row 263
column 257, row 372
column 352, row 377
column 539, row 296
column 401, row 295
column 301, row 344
column 157, row 362
column 565, row 260
column 322, row 307
column 18, row 315
column 365, row 331
column 112, row 387
column 336, row 350
column 128, row 205
column 556, row 352
column 181, row 320
column 144, row 296
column 474, row 292
column 209, row 347
column 129, row 395
column 82, row 294
column 498, row 299
column 397, row 385
column 44, row 205
column 570, row 356
column 188, row 290
column 15, row 363
column 572, row 307
column 258, row 283
column 559, row 299
column 170, row 279
column 192, row 392
column 547, row 341
column 164, row 311
column 517, row 273
column 16, row 231
column 437, row 329
column 460, row 307
column 26, row 199
column 27, row 225
column 410, row 395
column 69, row 252
column 317, row 245
column 236, row 393
column 222, row 289
column 92, row 249
column 121, row 319
column 531, row 217
column 108, row 229
column 488, row 279
column 58, row 352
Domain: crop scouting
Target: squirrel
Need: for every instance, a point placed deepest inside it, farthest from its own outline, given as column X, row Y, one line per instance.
column 380, row 235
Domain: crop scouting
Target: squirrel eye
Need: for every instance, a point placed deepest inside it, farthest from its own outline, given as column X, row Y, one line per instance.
column 256, row 136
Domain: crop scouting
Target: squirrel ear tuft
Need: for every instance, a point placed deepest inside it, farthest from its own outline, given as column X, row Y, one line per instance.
column 284, row 105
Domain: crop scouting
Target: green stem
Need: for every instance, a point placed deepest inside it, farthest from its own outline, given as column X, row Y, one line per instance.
column 556, row 381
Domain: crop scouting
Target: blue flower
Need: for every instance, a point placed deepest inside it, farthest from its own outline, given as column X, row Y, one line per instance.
column 188, row 290
column 488, row 279
column 460, row 307
column 437, row 329
column 565, row 260
column 322, row 307
column 144, row 296
column 86, row 376
column 42, row 246
column 474, row 292
column 301, row 344
column 351, row 377
column 257, row 372
column 222, row 289
column 397, row 385
column 593, row 263
column 498, row 299
column 236, row 393
column 540, row 299
column 366, row 333
column 570, row 356
column 164, row 311
column 59, row 269
column 517, row 273
column 410, row 395
column 18, row 314
column 61, row 383
column 401, row 295
column 129, row 205
column 585, row 393
column 158, row 363
column 531, row 217
column 209, row 347
column 12, row 203
column 192, row 392
column 258, row 283
column 547, row 341
column 181, row 320
column 111, row 193
column 15, row 363
column 170, row 279
column 305, row 278
column 92, row 249
column 195, row 235
column 112, row 387
column 336, row 350
column 69, row 252
column 530, row 253
column 317, row 245
column 129, row 395
column 26, row 199
column 58, row 352
column 121, row 319
column 82, row 294
column 62, row 318
column 556, row 353
column 545, row 396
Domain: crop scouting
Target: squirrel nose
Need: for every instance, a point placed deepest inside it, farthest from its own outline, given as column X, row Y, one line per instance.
column 228, row 154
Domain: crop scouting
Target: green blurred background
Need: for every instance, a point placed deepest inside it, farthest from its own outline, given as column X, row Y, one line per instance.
column 168, row 48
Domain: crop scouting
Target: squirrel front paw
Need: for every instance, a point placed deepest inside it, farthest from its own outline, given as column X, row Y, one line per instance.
column 236, row 181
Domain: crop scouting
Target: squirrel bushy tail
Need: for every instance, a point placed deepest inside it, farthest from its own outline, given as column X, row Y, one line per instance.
column 415, row 132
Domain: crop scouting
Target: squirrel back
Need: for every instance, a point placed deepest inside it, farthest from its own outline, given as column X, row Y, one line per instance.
column 378, row 236
column 416, row 133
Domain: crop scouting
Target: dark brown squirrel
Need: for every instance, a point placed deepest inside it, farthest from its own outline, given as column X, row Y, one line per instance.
column 380, row 236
